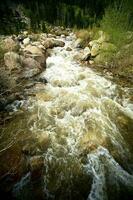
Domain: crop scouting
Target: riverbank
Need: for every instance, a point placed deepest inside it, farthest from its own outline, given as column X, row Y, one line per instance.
column 98, row 52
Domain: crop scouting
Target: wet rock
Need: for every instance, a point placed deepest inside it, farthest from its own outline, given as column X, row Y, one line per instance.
column 37, row 54
column 78, row 43
column 91, row 62
column 25, row 33
column 14, row 106
column 2, row 104
column 12, row 61
column 51, row 43
column 26, row 41
column 51, row 35
column 63, row 36
column 21, row 37
column 86, row 54
column 42, row 80
column 68, row 49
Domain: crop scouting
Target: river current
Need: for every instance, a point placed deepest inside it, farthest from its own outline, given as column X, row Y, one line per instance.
column 88, row 122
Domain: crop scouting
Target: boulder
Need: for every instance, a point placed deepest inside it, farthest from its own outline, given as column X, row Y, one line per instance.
column 51, row 43
column 59, row 43
column 25, row 33
column 78, row 43
column 68, row 49
column 9, row 44
column 93, row 42
column 86, row 54
column 30, row 67
column 33, row 50
column 12, row 60
column 37, row 53
column 95, row 49
column 26, row 41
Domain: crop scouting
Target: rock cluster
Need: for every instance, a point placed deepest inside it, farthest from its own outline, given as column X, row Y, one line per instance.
column 97, row 51
column 25, row 58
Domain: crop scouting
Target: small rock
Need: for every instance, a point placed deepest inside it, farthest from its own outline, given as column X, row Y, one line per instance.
column 26, row 41
column 42, row 80
column 91, row 62
column 25, row 33
column 68, row 49
column 20, row 38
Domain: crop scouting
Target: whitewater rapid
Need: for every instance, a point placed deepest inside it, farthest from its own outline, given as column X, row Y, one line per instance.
column 87, row 124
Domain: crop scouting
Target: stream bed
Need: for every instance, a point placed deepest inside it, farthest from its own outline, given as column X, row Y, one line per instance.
column 72, row 139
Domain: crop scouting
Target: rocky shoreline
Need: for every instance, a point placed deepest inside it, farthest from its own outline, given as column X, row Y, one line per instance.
column 24, row 60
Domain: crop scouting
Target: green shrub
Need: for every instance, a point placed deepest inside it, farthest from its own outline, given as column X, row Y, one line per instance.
column 116, row 22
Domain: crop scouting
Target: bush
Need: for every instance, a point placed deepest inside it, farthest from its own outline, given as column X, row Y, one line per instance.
column 116, row 22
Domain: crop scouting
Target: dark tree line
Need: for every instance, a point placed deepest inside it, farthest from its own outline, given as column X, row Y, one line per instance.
column 79, row 13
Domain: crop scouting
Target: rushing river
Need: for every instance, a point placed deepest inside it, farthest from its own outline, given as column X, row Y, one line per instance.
column 83, row 123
